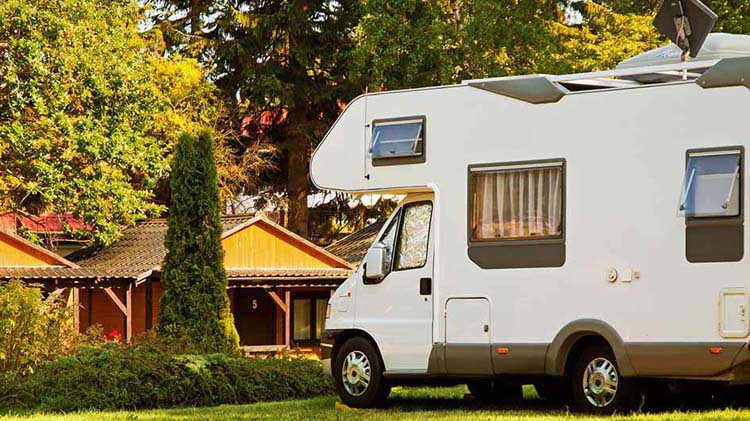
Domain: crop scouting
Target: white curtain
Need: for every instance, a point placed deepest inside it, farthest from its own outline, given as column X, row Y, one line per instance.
column 518, row 204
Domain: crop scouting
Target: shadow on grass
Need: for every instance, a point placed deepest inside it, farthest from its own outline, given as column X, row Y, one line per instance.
column 454, row 400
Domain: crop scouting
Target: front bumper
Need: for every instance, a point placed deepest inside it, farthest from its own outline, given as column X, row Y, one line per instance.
column 328, row 339
column 327, row 367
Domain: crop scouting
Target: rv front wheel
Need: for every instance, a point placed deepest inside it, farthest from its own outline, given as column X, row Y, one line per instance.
column 358, row 374
column 597, row 384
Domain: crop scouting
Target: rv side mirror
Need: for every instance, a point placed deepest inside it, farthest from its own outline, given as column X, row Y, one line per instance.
column 375, row 269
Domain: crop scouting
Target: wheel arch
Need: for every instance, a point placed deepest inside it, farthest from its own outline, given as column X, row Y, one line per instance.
column 347, row 334
column 558, row 352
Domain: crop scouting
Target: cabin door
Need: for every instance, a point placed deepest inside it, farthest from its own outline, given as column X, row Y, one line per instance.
column 254, row 313
column 397, row 311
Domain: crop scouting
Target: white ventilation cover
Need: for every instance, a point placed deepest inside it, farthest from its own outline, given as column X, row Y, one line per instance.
column 717, row 46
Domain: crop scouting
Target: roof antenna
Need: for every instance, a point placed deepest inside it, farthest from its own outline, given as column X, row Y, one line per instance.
column 687, row 23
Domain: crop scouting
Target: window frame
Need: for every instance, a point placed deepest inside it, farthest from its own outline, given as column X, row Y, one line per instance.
column 397, row 242
column 700, row 228
column 311, row 296
column 395, row 223
column 398, row 160
column 522, row 252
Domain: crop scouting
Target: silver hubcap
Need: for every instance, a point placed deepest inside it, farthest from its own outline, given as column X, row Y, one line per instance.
column 600, row 382
column 356, row 373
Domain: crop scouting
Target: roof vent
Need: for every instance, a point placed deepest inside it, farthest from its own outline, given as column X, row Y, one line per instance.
column 717, row 46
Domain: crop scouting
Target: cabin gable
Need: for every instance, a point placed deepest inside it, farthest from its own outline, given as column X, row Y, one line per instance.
column 263, row 244
column 17, row 252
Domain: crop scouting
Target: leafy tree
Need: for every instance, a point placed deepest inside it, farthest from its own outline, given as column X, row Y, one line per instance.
column 732, row 13
column 87, row 112
column 194, row 306
column 410, row 43
column 600, row 41
column 276, row 58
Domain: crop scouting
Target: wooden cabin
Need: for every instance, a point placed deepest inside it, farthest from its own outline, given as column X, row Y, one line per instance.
column 279, row 282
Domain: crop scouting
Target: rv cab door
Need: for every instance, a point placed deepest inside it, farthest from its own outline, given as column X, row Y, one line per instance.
column 397, row 308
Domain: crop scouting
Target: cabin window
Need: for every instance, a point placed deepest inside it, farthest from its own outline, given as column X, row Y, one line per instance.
column 516, row 214
column 711, row 202
column 711, row 185
column 308, row 318
column 414, row 236
column 398, row 141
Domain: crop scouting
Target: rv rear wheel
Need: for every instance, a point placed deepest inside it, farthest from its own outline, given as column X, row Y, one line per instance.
column 358, row 374
column 597, row 384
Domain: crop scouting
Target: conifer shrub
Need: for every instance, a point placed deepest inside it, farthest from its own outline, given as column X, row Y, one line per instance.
column 194, row 306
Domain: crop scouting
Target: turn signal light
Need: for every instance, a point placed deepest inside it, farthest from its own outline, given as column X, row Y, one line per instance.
column 502, row 351
column 715, row 350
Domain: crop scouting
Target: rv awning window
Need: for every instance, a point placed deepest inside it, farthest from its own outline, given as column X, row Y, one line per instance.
column 397, row 139
column 711, row 186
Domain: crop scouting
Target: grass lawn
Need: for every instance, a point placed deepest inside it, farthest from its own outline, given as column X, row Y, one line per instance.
column 405, row 404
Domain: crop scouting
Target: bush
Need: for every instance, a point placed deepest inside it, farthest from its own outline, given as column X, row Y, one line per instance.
column 115, row 376
column 32, row 330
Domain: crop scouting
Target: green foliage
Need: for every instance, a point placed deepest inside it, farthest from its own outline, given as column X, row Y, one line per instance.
column 32, row 330
column 604, row 39
column 89, row 111
column 149, row 376
column 409, row 43
column 732, row 13
column 272, row 56
column 194, row 306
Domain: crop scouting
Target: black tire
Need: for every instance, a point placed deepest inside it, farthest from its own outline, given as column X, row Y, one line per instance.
column 599, row 399
column 376, row 391
column 495, row 391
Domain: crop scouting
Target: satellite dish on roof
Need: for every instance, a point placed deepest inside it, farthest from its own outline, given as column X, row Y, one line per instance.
column 687, row 23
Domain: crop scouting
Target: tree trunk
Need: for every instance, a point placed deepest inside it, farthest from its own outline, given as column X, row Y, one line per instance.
column 298, row 185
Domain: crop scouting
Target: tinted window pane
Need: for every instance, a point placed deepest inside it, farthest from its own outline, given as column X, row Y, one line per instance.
column 397, row 140
column 415, row 232
column 320, row 316
column 301, row 322
column 711, row 186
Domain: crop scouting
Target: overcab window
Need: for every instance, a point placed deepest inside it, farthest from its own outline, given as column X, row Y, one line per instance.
column 398, row 141
column 516, row 214
column 711, row 202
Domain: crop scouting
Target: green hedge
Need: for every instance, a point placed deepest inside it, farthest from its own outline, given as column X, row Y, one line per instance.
column 135, row 377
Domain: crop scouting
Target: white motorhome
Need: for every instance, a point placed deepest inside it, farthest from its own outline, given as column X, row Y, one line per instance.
column 575, row 232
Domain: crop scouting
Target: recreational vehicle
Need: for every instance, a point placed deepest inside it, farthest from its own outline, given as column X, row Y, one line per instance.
column 576, row 232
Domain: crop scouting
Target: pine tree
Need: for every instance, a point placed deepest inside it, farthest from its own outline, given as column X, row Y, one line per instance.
column 194, row 306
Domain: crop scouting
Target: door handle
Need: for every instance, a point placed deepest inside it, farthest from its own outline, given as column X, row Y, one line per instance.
column 425, row 286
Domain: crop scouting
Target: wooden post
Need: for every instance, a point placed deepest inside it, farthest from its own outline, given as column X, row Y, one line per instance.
column 89, row 305
column 149, row 304
column 129, row 312
column 288, row 319
column 75, row 301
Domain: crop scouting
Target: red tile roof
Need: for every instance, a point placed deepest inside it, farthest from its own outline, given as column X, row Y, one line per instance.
column 45, row 223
